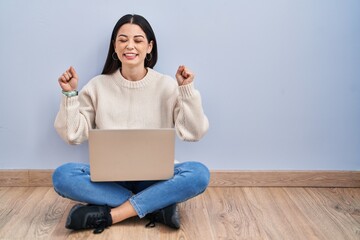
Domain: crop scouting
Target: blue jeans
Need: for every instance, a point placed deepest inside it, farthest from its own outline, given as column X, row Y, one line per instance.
column 72, row 180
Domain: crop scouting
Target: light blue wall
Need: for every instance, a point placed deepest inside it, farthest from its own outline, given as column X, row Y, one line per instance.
column 280, row 80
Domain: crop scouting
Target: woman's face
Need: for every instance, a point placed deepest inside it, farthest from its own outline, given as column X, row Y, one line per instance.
column 131, row 45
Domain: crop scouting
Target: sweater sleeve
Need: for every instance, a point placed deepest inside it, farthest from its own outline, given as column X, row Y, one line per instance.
column 75, row 117
column 191, row 124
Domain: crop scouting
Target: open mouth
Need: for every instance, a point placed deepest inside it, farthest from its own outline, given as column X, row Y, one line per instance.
column 130, row 56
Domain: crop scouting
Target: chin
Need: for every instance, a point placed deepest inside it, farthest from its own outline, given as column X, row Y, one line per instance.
column 132, row 64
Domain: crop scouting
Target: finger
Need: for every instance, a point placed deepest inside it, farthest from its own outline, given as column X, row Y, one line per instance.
column 67, row 75
column 186, row 73
column 73, row 72
column 190, row 74
column 62, row 79
column 64, row 84
column 180, row 69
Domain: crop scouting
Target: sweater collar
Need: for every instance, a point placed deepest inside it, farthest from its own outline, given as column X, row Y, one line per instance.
column 119, row 79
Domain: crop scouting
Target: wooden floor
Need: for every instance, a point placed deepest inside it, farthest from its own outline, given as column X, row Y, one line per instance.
column 219, row 213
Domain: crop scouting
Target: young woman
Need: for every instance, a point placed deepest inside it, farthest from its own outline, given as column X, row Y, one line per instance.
column 129, row 94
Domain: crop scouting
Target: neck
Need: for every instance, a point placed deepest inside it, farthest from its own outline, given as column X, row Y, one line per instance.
column 133, row 74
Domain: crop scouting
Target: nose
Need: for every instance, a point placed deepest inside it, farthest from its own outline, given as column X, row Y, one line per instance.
column 130, row 45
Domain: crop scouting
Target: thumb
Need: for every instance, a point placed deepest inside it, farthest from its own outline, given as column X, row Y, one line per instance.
column 180, row 70
column 73, row 72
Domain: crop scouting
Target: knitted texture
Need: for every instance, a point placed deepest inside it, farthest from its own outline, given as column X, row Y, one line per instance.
column 112, row 102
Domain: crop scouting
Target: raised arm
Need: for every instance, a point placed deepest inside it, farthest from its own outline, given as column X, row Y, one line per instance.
column 191, row 123
column 76, row 114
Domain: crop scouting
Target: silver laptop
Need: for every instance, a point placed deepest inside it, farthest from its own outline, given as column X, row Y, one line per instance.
column 131, row 154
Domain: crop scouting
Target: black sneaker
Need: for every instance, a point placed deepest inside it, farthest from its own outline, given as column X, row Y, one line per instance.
column 89, row 216
column 168, row 216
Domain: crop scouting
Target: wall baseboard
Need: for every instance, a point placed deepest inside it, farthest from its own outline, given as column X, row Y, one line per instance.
column 42, row 178
column 26, row 178
column 285, row 178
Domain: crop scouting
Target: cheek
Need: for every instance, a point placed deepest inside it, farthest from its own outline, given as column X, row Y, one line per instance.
column 118, row 46
column 146, row 49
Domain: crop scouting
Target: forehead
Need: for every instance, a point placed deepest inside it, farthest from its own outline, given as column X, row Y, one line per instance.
column 130, row 30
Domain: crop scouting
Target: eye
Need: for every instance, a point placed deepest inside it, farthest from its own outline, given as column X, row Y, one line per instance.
column 122, row 40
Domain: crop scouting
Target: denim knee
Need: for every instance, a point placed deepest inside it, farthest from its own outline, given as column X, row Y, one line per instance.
column 203, row 175
column 61, row 176
column 199, row 176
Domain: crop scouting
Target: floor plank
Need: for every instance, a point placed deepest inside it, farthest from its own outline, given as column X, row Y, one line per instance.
column 23, row 212
column 195, row 220
column 325, row 222
column 273, row 214
column 219, row 213
column 12, row 201
column 230, row 218
column 341, row 208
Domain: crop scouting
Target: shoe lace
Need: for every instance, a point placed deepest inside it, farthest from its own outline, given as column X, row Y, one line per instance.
column 97, row 221
column 153, row 218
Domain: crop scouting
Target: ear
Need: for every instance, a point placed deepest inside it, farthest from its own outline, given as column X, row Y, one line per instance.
column 150, row 46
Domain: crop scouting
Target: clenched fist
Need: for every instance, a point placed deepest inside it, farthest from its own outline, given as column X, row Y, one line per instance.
column 69, row 80
column 184, row 76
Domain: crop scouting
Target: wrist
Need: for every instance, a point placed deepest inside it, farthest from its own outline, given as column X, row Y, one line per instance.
column 70, row 93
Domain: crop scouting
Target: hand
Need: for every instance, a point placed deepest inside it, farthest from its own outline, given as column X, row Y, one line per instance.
column 184, row 76
column 69, row 80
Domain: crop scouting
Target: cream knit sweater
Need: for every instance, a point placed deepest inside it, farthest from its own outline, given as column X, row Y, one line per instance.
column 112, row 102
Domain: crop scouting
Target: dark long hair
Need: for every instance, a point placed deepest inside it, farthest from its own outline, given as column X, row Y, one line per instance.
column 112, row 65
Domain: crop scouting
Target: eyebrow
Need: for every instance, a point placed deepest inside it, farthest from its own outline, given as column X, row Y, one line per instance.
column 124, row 35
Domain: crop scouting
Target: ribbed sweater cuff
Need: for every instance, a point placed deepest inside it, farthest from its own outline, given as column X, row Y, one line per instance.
column 187, row 91
column 70, row 101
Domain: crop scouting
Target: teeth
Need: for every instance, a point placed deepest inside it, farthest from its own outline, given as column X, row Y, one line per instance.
column 130, row 54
